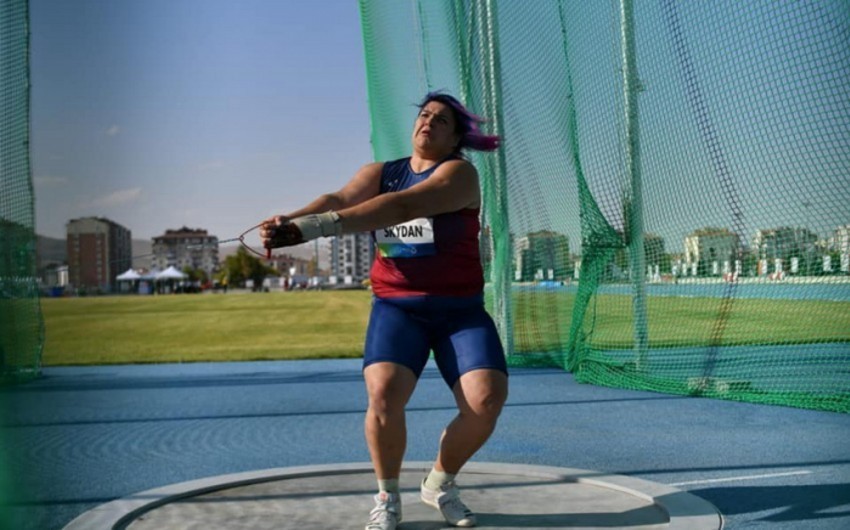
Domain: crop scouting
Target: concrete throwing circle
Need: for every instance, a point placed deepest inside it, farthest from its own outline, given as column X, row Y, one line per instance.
column 339, row 497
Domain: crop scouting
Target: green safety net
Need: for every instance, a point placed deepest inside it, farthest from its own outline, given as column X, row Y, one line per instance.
column 668, row 211
column 21, row 327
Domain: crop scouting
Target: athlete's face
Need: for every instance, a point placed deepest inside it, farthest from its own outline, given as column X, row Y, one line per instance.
column 434, row 130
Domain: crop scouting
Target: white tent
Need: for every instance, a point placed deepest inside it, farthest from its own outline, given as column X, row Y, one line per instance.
column 171, row 274
column 129, row 275
column 150, row 275
column 128, row 281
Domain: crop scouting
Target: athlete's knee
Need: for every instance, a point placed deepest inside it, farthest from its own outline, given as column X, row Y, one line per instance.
column 384, row 405
column 388, row 393
column 486, row 404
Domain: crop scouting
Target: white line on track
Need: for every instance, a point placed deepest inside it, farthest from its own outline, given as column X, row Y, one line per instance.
column 745, row 477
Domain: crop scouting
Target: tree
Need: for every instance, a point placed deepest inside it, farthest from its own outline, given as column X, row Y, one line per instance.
column 195, row 275
column 243, row 266
column 313, row 267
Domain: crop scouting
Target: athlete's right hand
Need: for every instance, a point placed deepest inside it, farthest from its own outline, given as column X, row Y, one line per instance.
column 301, row 229
column 269, row 229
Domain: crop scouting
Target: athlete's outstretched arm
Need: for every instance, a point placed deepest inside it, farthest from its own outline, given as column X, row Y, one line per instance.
column 452, row 187
column 364, row 185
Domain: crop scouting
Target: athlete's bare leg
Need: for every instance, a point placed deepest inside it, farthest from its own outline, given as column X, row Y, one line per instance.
column 389, row 387
column 480, row 395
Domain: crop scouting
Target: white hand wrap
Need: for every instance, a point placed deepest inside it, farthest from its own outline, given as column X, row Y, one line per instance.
column 318, row 225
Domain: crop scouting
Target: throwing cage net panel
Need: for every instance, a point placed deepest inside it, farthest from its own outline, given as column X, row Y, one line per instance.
column 21, row 326
column 668, row 211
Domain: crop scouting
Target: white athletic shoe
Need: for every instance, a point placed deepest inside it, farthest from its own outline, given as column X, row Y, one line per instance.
column 387, row 512
column 447, row 500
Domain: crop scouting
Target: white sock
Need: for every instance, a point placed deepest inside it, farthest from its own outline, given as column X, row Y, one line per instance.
column 389, row 485
column 436, row 479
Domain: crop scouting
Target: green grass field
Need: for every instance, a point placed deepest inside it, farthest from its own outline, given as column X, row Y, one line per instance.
column 691, row 321
column 184, row 328
column 310, row 325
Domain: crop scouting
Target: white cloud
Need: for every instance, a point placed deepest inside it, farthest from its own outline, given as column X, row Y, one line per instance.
column 113, row 131
column 118, row 198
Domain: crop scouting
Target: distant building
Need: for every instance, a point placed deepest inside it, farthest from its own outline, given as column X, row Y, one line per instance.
column 98, row 251
column 542, row 255
column 55, row 275
column 186, row 247
column 708, row 250
column 653, row 246
column 783, row 243
column 293, row 271
column 841, row 244
column 351, row 257
column 287, row 265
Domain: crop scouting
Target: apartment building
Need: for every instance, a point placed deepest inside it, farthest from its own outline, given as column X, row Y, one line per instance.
column 351, row 257
column 709, row 250
column 186, row 247
column 98, row 250
column 542, row 255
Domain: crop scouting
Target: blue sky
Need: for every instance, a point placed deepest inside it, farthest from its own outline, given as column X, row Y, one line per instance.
column 218, row 113
column 206, row 113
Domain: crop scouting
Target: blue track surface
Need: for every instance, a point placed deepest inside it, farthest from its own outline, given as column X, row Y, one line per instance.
column 80, row 437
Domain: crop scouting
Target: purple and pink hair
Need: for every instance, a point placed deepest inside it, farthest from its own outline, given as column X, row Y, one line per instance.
column 466, row 123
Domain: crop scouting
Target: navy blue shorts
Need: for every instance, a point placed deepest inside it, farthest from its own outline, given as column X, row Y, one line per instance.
column 458, row 330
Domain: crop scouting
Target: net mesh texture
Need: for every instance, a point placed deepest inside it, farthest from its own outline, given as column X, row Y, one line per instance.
column 21, row 326
column 668, row 211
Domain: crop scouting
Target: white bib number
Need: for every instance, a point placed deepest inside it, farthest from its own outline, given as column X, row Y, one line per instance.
column 407, row 240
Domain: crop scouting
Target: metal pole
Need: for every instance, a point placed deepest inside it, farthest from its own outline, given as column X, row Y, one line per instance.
column 631, row 87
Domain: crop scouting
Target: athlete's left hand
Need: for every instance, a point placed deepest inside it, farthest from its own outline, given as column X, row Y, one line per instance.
column 285, row 235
